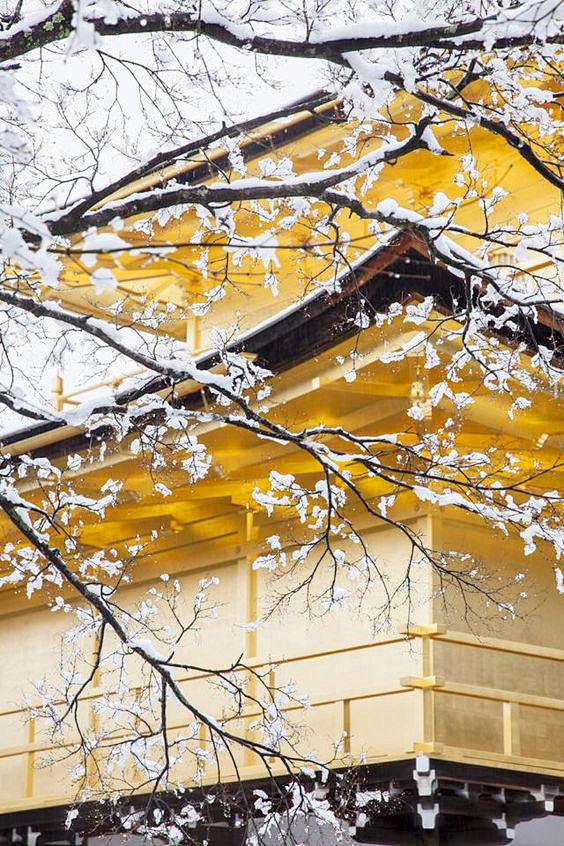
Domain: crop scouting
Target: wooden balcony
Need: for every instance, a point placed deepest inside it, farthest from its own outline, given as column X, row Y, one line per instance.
column 428, row 691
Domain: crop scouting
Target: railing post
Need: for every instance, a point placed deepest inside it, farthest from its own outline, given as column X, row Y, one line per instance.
column 249, row 579
column 427, row 681
column 511, row 734
column 249, row 756
column 30, row 758
column 57, row 392
column 345, row 726
column 428, row 695
column 204, row 740
column 193, row 334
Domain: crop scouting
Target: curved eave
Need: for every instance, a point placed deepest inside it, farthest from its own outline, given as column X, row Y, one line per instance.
column 398, row 271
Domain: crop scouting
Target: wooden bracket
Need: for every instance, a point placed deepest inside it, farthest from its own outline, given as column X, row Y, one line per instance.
column 432, row 748
column 422, row 682
column 432, row 630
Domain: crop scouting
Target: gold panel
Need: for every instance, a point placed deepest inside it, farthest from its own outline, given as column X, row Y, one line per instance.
column 502, row 670
column 541, row 733
column 468, row 723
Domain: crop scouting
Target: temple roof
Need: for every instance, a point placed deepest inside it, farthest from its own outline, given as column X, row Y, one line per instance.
column 399, row 271
column 174, row 280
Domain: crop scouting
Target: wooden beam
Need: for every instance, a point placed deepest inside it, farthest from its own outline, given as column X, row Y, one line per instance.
column 368, row 387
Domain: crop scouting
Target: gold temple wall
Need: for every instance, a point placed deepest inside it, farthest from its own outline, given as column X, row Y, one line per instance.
column 495, row 699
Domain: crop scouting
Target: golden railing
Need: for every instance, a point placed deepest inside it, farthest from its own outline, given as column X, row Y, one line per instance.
column 60, row 398
column 527, row 727
column 429, row 712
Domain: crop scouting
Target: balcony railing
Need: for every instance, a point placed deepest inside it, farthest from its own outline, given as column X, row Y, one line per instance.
column 446, row 706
